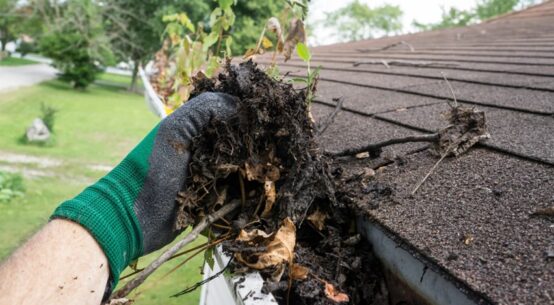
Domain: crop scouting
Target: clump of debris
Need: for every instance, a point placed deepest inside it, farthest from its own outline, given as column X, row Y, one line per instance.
column 290, row 226
column 294, row 223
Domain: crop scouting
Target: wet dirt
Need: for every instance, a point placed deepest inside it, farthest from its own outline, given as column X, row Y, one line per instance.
column 267, row 157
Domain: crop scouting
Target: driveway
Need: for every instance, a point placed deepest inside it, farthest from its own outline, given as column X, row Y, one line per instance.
column 21, row 76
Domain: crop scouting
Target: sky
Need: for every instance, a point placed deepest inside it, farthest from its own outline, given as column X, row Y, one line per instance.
column 425, row 11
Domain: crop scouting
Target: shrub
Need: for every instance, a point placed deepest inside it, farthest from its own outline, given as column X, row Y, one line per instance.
column 71, row 56
column 76, row 41
column 48, row 116
column 11, row 186
column 25, row 48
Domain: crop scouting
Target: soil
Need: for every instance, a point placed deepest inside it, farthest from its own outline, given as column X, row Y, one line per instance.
column 267, row 157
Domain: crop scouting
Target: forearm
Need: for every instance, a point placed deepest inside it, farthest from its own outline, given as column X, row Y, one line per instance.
column 61, row 264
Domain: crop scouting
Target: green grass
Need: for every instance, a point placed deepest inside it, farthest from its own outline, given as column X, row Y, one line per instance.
column 100, row 124
column 14, row 61
column 97, row 126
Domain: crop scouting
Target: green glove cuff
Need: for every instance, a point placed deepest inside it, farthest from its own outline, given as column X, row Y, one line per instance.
column 106, row 209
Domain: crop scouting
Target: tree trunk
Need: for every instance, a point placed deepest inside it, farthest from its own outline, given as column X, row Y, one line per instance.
column 133, row 86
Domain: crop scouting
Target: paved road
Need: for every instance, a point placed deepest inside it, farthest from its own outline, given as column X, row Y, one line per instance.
column 21, row 76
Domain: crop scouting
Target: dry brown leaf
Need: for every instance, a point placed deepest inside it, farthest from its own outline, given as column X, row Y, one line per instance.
column 261, row 172
column 468, row 239
column 270, row 196
column 296, row 34
column 273, row 25
column 334, row 295
column 299, row 272
column 317, row 218
column 280, row 248
column 252, row 52
column 467, row 127
column 368, row 173
column 252, row 235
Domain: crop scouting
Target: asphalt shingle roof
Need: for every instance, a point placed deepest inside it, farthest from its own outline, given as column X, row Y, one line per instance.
column 504, row 67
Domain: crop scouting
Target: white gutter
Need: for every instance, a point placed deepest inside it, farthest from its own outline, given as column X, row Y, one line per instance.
column 152, row 99
column 422, row 276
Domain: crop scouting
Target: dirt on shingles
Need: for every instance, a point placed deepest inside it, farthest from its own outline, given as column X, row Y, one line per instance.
column 267, row 157
column 476, row 216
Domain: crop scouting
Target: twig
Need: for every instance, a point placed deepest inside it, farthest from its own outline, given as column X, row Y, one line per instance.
column 330, row 119
column 242, row 191
column 451, row 90
column 429, row 173
column 405, row 63
column 201, row 226
column 375, row 147
column 202, row 282
column 390, row 46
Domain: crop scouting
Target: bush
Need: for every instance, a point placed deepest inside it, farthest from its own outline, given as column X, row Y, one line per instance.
column 76, row 41
column 48, row 116
column 70, row 55
column 25, row 48
column 11, row 186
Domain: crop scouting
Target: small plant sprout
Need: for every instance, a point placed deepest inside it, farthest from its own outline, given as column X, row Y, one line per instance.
column 311, row 78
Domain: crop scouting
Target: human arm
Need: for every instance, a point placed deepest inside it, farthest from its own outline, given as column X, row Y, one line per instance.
column 61, row 264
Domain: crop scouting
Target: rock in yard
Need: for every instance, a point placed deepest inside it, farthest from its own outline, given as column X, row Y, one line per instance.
column 37, row 132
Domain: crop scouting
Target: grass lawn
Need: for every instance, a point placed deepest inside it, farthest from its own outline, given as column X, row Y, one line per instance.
column 14, row 61
column 95, row 127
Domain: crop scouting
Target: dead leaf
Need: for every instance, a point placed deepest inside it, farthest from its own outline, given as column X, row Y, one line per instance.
column 334, row 295
column 362, row 155
column 252, row 235
column 299, row 272
column 368, row 173
column 467, row 126
column 252, row 52
column 261, row 172
column 266, row 43
column 468, row 239
column 270, row 196
column 317, row 218
column 280, row 247
column 296, row 34
column 273, row 25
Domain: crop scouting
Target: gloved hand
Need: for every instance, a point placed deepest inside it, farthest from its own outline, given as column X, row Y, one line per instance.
column 131, row 210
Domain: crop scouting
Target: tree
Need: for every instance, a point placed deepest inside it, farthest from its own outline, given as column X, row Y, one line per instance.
column 135, row 26
column 8, row 20
column 450, row 18
column 490, row 8
column 484, row 10
column 358, row 21
column 75, row 40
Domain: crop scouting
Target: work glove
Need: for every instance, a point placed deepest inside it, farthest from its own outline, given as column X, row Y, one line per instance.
column 131, row 211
